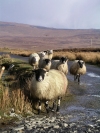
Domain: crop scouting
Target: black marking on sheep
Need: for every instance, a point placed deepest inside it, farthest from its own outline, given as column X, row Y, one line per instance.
column 80, row 63
column 63, row 60
column 47, row 61
column 40, row 74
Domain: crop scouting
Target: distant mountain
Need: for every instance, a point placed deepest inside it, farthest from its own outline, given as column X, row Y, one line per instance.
column 25, row 36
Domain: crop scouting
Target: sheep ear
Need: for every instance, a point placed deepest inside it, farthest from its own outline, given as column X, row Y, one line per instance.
column 66, row 58
column 83, row 62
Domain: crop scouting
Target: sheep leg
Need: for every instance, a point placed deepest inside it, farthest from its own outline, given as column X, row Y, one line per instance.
column 39, row 108
column 33, row 67
column 54, row 106
column 47, row 106
column 78, row 78
column 75, row 77
column 58, row 105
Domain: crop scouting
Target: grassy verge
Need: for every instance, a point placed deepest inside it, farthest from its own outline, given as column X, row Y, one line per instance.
column 12, row 89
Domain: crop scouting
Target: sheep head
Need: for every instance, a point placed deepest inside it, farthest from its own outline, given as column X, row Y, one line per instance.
column 80, row 62
column 50, row 51
column 47, row 61
column 63, row 60
column 40, row 74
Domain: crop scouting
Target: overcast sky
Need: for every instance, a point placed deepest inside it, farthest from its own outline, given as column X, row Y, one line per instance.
column 66, row 14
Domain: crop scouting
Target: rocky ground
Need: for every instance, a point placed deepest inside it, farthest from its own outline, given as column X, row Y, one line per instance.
column 56, row 123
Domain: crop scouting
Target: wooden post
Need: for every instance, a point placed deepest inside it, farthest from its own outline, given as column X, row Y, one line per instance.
column 2, row 71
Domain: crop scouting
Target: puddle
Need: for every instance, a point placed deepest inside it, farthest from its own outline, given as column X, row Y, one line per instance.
column 93, row 75
column 94, row 95
column 75, row 108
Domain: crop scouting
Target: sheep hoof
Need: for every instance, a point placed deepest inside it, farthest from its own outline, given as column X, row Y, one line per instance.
column 39, row 109
column 58, row 108
column 47, row 106
column 47, row 109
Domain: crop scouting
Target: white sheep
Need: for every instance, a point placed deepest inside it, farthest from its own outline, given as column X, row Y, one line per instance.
column 34, row 60
column 46, row 64
column 45, row 55
column 60, row 65
column 50, row 54
column 2, row 71
column 42, row 54
column 48, row 85
column 77, row 69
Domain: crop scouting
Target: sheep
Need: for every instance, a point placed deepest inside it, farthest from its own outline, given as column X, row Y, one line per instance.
column 60, row 65
column 34, row 60
column 77, row 69
column 2, row 71
column 42, row 54
column 45, row 55
column 50, row 54
column 46, row 86
column 8, row 66
column 46, row 64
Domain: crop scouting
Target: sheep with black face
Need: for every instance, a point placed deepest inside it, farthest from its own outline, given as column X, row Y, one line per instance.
column 60, row 65
column 77, row 69
column 46, row 64
column 45, row 55
column 46, row 86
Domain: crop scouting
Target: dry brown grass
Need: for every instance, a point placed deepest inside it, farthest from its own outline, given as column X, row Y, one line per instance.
column 88, row 57
column 69, row 55
column 10, row 95
column 21, row 52
column 15, row 99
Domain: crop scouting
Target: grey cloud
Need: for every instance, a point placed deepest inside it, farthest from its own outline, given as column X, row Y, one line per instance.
column 71, row 14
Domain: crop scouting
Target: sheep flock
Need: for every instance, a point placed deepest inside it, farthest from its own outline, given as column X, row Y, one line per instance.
column 50, row 77
column 49, row 80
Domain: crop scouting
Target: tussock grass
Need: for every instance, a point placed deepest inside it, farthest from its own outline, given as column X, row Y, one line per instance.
column 11, row 93
column 88, row 57
column 15, row 100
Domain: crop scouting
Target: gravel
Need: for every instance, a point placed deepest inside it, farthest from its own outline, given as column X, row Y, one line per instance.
column 56, row 123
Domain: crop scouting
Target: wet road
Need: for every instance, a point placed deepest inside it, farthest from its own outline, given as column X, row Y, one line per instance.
column 85, row 96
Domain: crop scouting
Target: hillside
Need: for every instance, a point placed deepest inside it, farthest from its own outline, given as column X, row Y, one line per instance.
column 22, row 36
